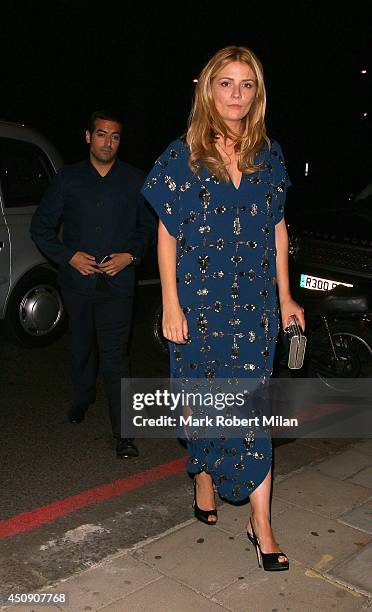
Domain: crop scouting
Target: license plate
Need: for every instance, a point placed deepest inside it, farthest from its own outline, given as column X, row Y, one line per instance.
column 319, row 284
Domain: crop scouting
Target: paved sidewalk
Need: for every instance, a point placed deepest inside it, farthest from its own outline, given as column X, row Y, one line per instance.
column 322, row 517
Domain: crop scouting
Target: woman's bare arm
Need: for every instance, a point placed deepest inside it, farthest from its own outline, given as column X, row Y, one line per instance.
column 288, row 306
column 174, row 320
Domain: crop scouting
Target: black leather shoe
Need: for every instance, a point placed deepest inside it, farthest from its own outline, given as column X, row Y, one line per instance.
column 126, row 448
column 77, row 413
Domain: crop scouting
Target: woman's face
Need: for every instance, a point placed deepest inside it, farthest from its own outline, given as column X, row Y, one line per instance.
column 234, row 89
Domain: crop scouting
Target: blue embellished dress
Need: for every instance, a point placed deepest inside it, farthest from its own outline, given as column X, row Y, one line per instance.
column 227, row 288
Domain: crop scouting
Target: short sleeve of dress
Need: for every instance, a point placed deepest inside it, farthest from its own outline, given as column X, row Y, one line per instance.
column 281, row 180
column 165, row 184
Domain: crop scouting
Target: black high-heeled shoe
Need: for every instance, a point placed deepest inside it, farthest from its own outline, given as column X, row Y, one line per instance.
column 269, row 561
column 203, row 515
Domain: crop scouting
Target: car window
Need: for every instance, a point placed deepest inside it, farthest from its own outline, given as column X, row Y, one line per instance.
column 25, row 172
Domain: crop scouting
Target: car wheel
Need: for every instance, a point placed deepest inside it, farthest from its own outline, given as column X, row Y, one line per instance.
column 35, row 316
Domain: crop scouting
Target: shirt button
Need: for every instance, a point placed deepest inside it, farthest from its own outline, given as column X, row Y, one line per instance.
column 98, row 228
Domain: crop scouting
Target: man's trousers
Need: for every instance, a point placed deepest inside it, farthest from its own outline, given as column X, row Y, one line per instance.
column 101, row 320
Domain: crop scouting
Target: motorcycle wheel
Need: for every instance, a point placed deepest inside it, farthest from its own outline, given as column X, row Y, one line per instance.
column 353, row 348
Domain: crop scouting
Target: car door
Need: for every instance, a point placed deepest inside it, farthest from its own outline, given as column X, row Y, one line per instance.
column 25, row 175
column 4, row 256
column 33, row 312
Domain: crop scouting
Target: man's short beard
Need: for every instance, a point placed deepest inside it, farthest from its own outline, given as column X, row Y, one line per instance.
column 105, row 160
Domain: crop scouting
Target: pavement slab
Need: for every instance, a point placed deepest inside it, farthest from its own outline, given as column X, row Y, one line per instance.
column 298, row 590
column 33, row 608
column 165, row 596
column 202, row 557
column 364, row 477
column 100, row 587
column 360, row 517
column 110, row 581
column 312, row 490
column 344, row 465
column 357, row 570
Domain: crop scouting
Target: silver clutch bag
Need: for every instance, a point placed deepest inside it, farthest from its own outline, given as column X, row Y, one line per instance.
column 297, row 344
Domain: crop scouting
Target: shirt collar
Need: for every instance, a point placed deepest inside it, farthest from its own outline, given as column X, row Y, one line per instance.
column 111, row 172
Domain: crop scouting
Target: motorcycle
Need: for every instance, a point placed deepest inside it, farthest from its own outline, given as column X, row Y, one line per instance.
column 339, row 337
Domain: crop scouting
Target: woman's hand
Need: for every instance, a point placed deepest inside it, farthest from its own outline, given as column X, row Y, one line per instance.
column 289, row 307
column 175, row 326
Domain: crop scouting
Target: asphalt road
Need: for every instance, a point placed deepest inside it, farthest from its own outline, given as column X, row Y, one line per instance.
column 45, row 459
column 59, row 509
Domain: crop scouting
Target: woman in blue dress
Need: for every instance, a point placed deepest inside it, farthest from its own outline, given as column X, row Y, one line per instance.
column 223, row 257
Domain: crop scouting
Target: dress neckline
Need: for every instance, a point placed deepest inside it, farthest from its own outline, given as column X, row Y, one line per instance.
column 240, row 182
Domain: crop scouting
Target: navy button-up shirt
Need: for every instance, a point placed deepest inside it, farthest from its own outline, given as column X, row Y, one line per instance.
column 101, row 215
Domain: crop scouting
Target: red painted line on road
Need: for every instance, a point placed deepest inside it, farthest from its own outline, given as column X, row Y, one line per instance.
column 45, row 514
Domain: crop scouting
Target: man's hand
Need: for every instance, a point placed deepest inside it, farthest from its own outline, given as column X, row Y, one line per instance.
column 84, row 263
column 118, row 262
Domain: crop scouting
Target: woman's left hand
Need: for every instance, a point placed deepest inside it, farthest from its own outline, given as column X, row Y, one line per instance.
column 290, row 307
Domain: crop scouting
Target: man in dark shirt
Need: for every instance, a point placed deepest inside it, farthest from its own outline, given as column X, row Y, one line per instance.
column 106, row 230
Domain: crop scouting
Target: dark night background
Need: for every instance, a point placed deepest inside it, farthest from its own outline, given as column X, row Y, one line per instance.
column 62, row 59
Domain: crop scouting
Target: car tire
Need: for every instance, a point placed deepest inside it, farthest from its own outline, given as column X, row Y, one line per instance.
column 35, row 316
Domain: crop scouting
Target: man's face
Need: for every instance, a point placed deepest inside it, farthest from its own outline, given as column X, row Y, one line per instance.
column 104, row 141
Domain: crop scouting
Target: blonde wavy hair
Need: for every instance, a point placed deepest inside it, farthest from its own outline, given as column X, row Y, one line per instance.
column 205, row 123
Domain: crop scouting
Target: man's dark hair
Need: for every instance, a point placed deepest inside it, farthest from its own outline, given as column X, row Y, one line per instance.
column 108, row 115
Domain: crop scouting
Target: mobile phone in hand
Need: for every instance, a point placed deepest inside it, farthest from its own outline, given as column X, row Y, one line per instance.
column 105, row 259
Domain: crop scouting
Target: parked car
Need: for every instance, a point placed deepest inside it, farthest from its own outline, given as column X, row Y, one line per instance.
column 31, row 306
column 330, row 234
column 331, row 243
column 30, row 302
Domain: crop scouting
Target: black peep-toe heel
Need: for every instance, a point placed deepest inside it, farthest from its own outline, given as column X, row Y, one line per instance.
column 269, row 561
column 202, row 515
